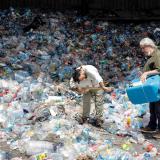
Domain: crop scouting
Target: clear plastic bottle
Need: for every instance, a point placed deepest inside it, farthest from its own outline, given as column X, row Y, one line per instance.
column 137, row 136
column 153, row 152
column 55, row 156
column 4, row 155
column 35, row 147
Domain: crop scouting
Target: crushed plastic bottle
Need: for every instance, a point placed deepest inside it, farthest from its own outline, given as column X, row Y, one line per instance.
column 138, row 137
column 4, row 155
column 35, row 147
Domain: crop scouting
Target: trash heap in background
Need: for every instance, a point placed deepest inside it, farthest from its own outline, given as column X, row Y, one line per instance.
column 38, row 54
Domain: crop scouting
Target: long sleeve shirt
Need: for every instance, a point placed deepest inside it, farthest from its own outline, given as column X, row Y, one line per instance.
column 154, row 62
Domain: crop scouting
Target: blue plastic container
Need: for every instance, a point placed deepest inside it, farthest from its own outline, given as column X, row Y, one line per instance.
column 144, row 92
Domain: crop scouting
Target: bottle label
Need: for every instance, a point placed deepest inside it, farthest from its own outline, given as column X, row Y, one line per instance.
column 41, row 156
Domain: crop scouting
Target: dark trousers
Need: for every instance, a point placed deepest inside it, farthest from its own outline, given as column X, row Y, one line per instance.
column 154, row 122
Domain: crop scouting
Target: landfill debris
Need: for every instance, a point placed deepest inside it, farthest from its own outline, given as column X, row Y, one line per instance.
column 38, row 53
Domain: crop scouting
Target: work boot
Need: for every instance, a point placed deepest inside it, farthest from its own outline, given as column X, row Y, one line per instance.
column 147, row 130
column 97, row 122
column 80, row 119
column 157, row 135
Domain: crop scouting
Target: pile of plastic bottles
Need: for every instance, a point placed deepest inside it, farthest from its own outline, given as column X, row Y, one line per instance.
column 37, row 108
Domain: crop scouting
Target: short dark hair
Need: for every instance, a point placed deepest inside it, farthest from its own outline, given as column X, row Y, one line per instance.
column 76, row 75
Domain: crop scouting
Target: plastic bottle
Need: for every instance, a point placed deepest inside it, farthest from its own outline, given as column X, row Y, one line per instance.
column 151, row 150
column 138, row 137
column 55, row 156
column 20, row 76
column 35, row 147
column 55, row 99
column 148, row 146
column 4, row 155
column 84, row 137
column 147, row 156
column 100, row 157
column 41, row 156
column 126, row 146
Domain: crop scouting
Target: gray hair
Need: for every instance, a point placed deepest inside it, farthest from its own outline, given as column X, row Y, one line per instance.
column 147, row 42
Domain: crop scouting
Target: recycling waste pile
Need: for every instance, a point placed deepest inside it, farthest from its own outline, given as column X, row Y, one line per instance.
column 37, row 108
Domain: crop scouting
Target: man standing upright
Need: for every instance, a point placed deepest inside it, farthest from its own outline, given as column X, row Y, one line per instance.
column 152, row 67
